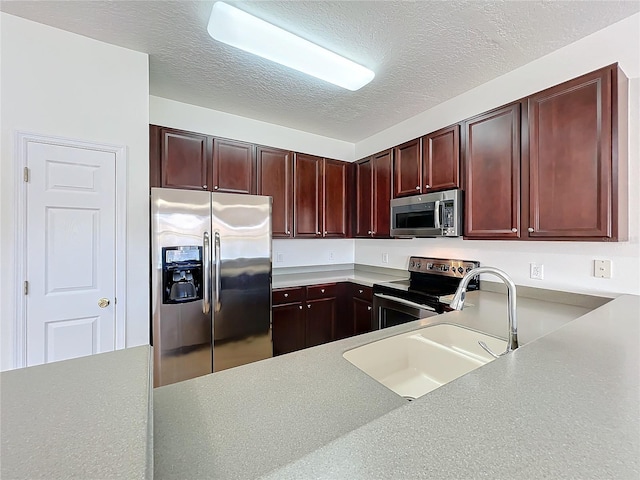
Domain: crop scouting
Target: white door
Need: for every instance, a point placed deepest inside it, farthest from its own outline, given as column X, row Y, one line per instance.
column 70, row 252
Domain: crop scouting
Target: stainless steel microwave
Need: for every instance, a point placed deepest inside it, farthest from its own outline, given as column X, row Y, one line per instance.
column 437, row 214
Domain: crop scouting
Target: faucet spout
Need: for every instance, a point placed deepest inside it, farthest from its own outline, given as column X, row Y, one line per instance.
column 458, row 303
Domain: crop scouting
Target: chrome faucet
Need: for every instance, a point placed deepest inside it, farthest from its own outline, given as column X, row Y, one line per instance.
column 458, row 303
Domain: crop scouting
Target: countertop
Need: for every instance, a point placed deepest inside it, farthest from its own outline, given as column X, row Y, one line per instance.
column 565, row 405
column 355, row 275
column 86, row 418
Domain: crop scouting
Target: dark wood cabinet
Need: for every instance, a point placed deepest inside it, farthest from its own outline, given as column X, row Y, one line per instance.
column 307, row 196
column 234, row 167
column 570, row 160
column 407, row 168
column 275, row 178
column 373, row 194
column 320, row 197
column 320, row 321
column 441, row 159
column 492, row 174
column 334, row 194
column 288, row 329
column 362, row 313
column 155, row 160
column 185, row 159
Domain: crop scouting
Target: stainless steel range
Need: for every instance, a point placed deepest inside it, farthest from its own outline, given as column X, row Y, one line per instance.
column 420, row 296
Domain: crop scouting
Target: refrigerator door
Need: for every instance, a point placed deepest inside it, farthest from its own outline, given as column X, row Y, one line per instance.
column 180, row 272
column 241, row 265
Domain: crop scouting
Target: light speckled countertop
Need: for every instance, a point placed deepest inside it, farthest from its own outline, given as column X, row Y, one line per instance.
column 565, row 405
column 354, row 275
column 86, row 418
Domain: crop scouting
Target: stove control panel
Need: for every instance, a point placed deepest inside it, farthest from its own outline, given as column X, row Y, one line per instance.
column 441, row 266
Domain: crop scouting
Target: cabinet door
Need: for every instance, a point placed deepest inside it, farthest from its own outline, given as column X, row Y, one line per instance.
column 407, row 169
column 441, row 159
column 382, row 166
column 185, row 159
column 570, row 159
column 362, row 313
column 320, row 321
column 364, row 198
column 287, row 328
column 492, row 162
column 334, row 194
column 307, row 195
column 275, row 170
column 233, row 167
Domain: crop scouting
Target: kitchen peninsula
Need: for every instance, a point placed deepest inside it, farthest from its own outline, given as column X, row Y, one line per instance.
column 564, row 405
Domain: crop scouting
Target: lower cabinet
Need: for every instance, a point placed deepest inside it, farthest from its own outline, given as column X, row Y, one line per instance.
column 303, row 317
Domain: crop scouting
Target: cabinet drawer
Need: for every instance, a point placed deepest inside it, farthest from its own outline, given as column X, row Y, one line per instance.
column 360, row 291
column 321, row 291
column 287, row 295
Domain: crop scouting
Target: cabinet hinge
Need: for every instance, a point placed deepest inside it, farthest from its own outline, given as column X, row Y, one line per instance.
column 26, row 288
column 26, row 174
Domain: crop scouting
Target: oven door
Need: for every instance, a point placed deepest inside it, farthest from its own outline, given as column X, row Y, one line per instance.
column 389, row 310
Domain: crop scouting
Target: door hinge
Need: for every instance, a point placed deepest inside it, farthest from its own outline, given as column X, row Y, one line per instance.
column 26, row 174
column 26, row 288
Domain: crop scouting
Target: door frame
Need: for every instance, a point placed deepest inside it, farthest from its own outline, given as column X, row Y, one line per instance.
column 22, row 141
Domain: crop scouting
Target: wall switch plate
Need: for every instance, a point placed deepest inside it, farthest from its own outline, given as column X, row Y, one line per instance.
column 602, row 268
column 332, row 256
column 536, row 271
column 385, row 258
column 279, row 257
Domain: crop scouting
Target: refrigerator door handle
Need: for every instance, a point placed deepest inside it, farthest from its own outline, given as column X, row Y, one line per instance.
column 218, row 261
column 206, row 274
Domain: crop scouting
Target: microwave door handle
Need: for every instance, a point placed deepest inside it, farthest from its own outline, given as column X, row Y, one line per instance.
column 437, row 214
column 206, row 274
column 218, row 261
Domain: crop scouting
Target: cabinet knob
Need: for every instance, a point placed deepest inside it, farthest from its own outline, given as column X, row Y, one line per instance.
column 369, row 232
column 288, row 232
column 322, row 290
column 317, row 233
column 418, row 187
column 286, row 295
column 369, row 308
column 530, row 230
column 300, row 307
column 514, row 230
column 360, row 291
column 308, row 305
column 326, row 232
column 216, row 187
column 426, row 186
column 204, row 187
column 372, row 232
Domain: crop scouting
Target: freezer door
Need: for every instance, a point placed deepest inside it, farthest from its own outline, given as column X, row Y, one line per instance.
column 180, row 271
column 241, row 299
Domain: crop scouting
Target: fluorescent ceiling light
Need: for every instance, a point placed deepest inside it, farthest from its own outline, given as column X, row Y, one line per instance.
column 239, row 29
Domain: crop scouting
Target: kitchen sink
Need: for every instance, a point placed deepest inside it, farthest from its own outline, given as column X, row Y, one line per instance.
column 417, row 362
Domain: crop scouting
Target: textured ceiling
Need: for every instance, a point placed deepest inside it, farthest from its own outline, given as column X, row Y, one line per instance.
column 423, row 52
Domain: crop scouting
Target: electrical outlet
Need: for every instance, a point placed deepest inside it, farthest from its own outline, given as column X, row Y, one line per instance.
column 279, row 257
column 385, row 258
column 602, row 268
column 536, row 271
column 332, row 256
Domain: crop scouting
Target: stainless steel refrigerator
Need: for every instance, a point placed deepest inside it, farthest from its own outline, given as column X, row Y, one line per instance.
column 210, row 282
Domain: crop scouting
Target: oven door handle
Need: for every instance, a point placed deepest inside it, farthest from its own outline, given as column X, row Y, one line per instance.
column 405, row 302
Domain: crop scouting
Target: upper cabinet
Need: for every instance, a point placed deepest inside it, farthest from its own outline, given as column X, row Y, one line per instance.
column 492, row 160
column 275, row 178
column 182, row 159
column 407, row 170
column 556, row 175
column 373, row 194
column 320, row 197
column 234, row 166
column 441, row 159
column 571, row 164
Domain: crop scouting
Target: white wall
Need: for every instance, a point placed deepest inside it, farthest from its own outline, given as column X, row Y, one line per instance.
column 304, row 252
column 567, row 266
column 61, row 84
column 170, row 113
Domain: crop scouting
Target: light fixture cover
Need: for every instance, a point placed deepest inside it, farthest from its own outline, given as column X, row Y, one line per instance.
column 234, row 27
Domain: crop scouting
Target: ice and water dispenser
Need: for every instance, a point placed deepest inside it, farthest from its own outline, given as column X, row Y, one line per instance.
column 181, row 274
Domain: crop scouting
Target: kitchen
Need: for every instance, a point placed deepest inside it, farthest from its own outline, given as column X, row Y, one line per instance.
column 29, row 106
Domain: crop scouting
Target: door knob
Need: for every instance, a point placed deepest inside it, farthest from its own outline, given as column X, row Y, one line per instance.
column 103, row 302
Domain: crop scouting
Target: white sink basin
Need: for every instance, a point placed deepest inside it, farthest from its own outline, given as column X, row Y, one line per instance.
column 414, row 363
